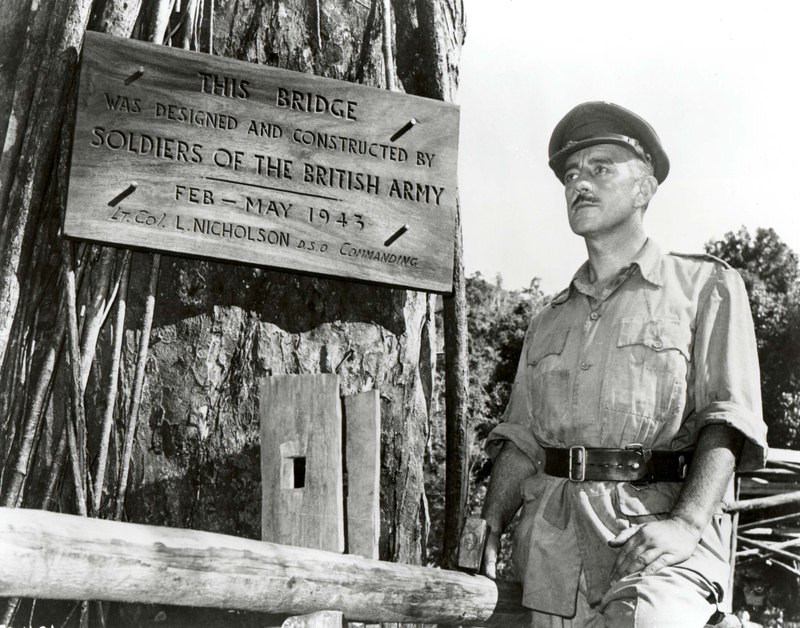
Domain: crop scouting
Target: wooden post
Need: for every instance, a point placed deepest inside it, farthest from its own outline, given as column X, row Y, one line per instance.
column 362, row 426
column 727, row 602
column 362, row 465
column 301, row 420
column 456, row 427
column 114, row 561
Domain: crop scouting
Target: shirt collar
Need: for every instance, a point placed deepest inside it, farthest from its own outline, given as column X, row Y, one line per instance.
column 648, row 259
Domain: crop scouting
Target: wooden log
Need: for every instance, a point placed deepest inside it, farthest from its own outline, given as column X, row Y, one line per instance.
column 55, row 556
column 764, row 522
column 753, row 488
column 770, row 548
column 759, row 552
column 764, row 502
column 783, row 455
column 782, row 473
column 457, row 435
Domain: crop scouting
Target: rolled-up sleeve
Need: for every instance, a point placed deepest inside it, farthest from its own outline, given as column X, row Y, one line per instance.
column 517, row 422
column 726, row 375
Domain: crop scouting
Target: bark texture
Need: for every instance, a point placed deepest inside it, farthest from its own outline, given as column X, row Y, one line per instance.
column 457, row 440
column 218, row 328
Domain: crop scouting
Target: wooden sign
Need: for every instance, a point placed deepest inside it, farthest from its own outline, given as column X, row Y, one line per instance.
column 212, row 157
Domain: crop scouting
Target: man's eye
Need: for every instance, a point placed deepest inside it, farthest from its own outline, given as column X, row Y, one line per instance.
column 601, row 170
column 570, row 176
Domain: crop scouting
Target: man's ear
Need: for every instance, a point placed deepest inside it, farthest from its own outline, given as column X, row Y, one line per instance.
column 647, row 189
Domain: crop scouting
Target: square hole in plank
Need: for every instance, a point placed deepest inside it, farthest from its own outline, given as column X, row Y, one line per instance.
column 299, row 468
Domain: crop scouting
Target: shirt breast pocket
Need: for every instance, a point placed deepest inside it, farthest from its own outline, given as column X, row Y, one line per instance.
column 548, row 378
column 648, row 368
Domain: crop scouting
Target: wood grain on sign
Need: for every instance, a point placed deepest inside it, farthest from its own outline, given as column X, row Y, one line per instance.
column 301, row 461
column 181, row 151
column 362, row 414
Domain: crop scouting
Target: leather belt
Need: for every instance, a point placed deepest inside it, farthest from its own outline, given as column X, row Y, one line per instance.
column 632, row 464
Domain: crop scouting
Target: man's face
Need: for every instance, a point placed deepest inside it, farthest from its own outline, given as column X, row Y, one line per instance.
column 601, row 185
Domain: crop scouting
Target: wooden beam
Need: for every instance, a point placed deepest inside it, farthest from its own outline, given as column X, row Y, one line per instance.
column 756, row 552
column 764, row 502
column 783, row 455
column 765, row 522
column 752, row 488
column 362, row 426
column 770, row 547
column 54, row 556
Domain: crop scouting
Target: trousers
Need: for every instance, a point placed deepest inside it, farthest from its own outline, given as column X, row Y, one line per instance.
column 673, row 597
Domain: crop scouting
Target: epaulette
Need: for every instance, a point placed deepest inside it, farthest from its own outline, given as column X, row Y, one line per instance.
column 702, row 256
column 561, row 297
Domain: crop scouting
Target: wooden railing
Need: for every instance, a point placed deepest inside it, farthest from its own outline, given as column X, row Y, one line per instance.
column 768, row 538
column 54, row 556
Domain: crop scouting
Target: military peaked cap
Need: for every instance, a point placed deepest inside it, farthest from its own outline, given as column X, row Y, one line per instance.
column 593, row 123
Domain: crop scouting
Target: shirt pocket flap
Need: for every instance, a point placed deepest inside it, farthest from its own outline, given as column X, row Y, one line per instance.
column 653, row 499
column 659, row 334
column 551, row 344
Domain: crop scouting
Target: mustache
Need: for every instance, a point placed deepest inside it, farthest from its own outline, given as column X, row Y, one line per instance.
column 586, row 197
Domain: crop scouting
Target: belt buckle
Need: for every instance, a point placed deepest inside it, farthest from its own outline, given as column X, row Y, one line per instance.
column 683, row 467
column 647, row 460
column 581, row 462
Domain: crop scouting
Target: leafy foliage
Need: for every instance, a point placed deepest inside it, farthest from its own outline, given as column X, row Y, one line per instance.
column 772, row 278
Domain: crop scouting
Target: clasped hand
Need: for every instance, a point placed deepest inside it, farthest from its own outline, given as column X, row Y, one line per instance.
column 646, row 548
column 652, row 546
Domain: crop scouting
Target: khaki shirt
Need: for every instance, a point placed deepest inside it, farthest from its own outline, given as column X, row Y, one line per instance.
column 667, row 348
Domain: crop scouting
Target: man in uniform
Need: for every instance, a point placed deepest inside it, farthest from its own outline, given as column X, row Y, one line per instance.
column 636, row 397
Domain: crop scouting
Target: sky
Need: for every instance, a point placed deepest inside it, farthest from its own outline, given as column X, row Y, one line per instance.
column 718, row 82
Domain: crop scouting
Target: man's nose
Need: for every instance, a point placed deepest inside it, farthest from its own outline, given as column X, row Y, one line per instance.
column 582, row 182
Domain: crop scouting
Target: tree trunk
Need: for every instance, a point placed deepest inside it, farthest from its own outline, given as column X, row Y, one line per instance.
column 218, row 328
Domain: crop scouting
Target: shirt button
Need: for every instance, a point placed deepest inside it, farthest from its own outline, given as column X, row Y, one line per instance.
column 657, row 344
column 594, row 316
column 584, row 367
